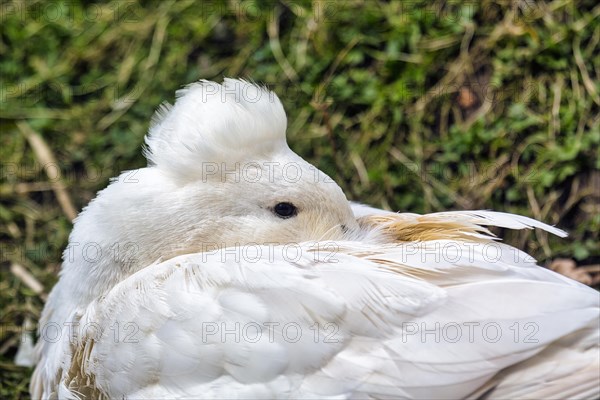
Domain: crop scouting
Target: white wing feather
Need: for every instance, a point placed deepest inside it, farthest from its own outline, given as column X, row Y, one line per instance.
column 367, row 324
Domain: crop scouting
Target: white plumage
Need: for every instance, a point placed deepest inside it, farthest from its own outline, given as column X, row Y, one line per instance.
column 214, row 295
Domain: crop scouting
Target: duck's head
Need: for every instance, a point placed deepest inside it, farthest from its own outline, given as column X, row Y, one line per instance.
column 224, row 146
column 220, row 174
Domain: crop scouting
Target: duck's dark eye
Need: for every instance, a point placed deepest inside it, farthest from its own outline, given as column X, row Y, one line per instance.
column 285, row 210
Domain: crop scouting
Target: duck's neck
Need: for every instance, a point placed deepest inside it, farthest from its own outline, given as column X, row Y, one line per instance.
column 113, row 238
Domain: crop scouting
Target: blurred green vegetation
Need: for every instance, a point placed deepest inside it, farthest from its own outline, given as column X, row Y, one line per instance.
column 414, row 106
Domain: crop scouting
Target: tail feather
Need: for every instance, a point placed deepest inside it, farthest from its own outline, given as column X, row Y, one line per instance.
column 452, row 225
column 499, row 219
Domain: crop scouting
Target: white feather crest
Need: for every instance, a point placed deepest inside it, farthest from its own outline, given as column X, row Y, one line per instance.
column 216, row 123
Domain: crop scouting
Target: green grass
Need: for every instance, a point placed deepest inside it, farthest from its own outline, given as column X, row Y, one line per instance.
column 411, row 106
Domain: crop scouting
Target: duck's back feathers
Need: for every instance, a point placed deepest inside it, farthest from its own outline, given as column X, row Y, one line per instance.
column 331, row 323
